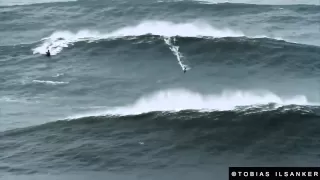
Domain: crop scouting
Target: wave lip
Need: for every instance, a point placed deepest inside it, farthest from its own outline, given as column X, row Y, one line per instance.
column 62, row 39
column 170, row 29
column 181, row 99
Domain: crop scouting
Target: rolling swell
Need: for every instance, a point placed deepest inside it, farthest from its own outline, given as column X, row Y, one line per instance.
column 100, row 143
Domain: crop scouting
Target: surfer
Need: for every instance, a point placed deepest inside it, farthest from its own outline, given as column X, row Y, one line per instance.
column 48, row 53
column 184, row 70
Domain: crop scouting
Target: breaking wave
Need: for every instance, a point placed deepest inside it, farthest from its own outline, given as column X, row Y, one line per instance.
column 181, row 99
column 62, row 39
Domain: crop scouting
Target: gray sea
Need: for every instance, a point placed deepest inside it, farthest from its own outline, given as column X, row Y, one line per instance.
column 113, row 101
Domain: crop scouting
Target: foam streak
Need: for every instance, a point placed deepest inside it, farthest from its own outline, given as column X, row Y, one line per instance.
column 49, row 82
column 175, row 50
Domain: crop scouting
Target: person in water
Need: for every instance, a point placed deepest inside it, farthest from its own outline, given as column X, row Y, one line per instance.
column 48, row 53
column 184, row 70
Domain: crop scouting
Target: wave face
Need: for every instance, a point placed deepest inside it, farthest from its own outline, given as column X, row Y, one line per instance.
column 58, row 40
column 152, row 89
column 102, row 143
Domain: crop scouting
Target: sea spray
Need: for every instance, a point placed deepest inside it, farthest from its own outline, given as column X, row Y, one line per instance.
column 182, row 99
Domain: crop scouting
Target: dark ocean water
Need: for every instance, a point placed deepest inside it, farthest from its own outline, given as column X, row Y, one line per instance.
column 112, row 102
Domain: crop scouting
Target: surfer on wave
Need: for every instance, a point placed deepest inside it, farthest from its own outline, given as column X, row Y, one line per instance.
column 48, row 53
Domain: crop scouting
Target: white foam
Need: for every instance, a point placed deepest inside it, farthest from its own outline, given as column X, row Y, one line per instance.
column 28, row 2
column 175, row 50
column 169, row 29
column 264, row 2
column 181, row 99
column 49, row 82
column 61, row 39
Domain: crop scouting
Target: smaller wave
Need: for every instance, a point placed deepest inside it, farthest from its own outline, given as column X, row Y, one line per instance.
column 49, row 82
column 29, row 2
column 181, row 99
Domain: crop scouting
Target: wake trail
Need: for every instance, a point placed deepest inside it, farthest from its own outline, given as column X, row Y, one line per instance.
column 175, row 50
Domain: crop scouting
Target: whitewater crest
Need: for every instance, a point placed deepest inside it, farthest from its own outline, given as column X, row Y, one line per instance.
column 181, row 99
column 62, row 39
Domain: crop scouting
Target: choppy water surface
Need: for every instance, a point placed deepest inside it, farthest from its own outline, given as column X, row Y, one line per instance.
column 113, row 102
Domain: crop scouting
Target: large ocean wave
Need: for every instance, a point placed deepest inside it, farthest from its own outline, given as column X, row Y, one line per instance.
column 181, row 99
column 62, row 39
